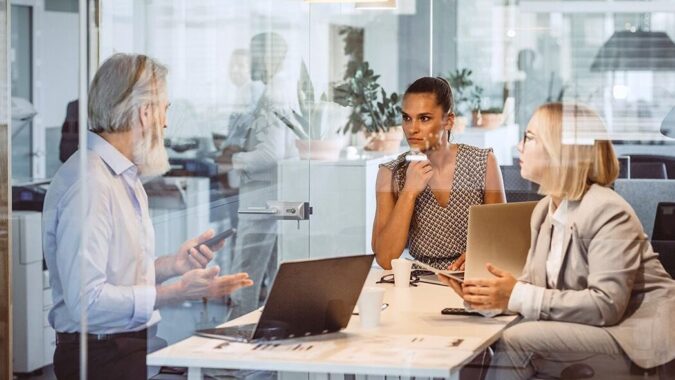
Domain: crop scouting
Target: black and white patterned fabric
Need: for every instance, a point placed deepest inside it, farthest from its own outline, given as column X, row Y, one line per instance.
column 438, row 234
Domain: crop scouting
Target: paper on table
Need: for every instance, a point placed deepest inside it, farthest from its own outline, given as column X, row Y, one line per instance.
column 278, row 350
column 420, row 341
column 407, row 349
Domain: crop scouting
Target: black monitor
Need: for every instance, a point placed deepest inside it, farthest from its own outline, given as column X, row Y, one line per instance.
column 664, row 222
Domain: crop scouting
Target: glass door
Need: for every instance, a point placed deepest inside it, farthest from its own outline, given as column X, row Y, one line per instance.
column 22, row 90
column 233, row 77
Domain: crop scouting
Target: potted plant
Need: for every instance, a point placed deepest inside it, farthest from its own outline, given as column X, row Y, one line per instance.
column 484, row 117
column 372, row 110
column 375, row 115
column 461, row 82
column 317, row 126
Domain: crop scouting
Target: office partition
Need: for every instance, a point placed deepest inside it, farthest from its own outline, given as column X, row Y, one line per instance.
column 266, row 132
column 5, row 199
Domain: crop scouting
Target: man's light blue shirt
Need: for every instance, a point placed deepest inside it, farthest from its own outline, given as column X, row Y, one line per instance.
column 118, row 253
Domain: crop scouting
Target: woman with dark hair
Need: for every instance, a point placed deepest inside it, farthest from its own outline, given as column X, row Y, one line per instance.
column 423, row 200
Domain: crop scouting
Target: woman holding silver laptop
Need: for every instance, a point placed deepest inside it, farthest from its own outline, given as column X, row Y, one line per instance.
column 593, row 294
column 423, row 196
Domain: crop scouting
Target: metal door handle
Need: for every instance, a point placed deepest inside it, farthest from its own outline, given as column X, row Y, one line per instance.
column 282, row 210
column 259, row 211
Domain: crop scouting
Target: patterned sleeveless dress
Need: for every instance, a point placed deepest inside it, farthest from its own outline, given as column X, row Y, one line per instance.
column 438, row 234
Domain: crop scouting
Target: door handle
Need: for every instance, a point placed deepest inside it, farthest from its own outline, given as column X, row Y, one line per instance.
column 281, row 210
column 259, row 211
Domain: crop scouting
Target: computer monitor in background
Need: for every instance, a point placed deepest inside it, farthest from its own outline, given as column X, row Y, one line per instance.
column 664, row 222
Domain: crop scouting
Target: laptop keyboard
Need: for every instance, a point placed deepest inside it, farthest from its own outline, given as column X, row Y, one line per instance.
column 242, row 331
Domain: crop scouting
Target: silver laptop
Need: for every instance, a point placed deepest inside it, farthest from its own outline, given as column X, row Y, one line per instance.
column 499, row 234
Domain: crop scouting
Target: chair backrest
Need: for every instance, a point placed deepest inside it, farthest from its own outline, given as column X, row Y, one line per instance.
column 517, row 188
column 644, row 195
column 668, row 161
column 624, row 166
column 648, row 170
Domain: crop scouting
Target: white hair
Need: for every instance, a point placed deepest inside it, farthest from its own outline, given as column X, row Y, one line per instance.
column 122, row 85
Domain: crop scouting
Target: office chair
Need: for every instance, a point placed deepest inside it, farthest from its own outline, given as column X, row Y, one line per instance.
column 624, row 167
column 517, row 188
column 648, row 170
column 644, row 196
column 668, row 161
column 663, row 235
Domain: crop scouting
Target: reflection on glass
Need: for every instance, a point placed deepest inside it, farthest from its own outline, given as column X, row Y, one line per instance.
column 98, row 238
column 254, row 150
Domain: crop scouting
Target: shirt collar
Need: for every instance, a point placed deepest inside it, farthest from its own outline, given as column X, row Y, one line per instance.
column 117, row 162
column 559, row 216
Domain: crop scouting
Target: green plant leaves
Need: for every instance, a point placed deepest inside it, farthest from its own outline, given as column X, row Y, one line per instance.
column 372, row 109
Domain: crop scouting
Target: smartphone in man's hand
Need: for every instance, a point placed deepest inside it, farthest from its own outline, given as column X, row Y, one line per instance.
column 214, row 241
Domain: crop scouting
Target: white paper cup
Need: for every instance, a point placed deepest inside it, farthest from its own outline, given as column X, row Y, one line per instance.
column 402, row 268
column 370, row 306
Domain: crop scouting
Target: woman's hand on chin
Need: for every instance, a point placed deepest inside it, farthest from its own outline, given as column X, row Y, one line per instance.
column 417, row 176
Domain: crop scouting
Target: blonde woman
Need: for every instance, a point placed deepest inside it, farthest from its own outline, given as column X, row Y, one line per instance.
column 592, row 290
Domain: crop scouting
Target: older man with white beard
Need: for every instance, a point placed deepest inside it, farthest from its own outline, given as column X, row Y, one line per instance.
column 107, row 271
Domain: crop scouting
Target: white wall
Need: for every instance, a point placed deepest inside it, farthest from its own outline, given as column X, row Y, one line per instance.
column 57, row 66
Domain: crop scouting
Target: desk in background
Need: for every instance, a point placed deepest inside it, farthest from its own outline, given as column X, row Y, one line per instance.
column 414, row 310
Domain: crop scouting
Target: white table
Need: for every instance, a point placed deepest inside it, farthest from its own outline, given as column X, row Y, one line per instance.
column 414, row 310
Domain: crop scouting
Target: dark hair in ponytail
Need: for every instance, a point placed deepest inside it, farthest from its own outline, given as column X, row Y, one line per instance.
column 436, row 85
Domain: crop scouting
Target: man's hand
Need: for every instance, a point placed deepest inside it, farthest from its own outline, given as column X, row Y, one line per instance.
column 188, row 258
column 200, row 283
column 490, row 294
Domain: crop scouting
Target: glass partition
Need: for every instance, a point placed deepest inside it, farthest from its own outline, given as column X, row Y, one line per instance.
column 256, row 81
column 5, row 210
column 270, row 116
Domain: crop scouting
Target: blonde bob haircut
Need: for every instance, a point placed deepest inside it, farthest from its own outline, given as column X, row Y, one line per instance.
column 575, row 140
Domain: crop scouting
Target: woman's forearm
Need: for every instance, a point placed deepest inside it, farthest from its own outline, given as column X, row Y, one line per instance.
column 391, row 239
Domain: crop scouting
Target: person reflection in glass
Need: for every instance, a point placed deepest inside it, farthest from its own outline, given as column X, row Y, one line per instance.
column 266, row 142
column 534, row 87
column 247, row 92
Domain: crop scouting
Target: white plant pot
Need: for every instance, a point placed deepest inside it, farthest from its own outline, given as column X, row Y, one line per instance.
column 386, row 142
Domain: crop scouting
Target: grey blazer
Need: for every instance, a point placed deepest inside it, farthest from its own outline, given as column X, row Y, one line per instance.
column 610, row 277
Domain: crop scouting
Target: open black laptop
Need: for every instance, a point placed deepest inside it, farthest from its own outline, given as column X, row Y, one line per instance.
column 308, row 297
